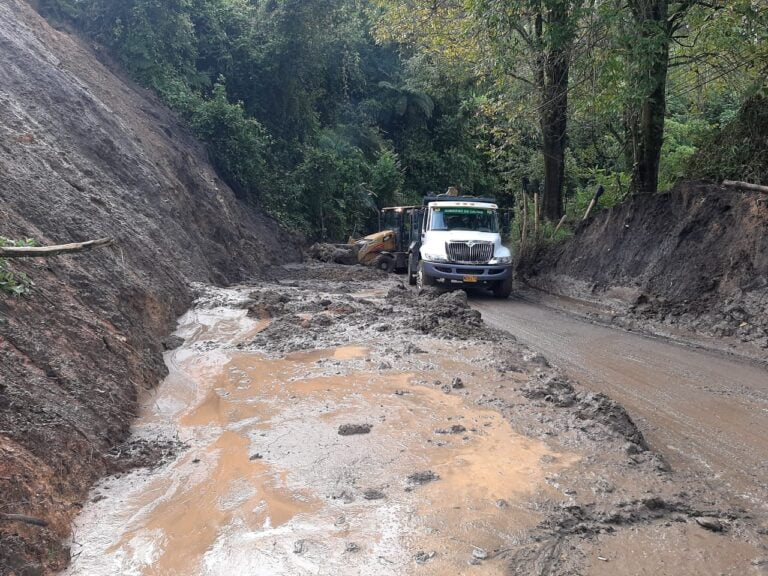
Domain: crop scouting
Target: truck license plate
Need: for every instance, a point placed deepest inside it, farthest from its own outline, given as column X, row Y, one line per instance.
column 470, row 279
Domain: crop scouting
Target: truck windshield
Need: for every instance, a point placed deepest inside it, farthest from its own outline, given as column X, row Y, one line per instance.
column 475, row 219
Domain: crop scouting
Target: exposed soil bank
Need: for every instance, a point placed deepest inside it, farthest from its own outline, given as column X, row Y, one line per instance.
column 338, row 424
column 693, row 260
column 85, row 154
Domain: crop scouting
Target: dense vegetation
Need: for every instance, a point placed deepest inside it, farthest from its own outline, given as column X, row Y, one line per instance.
column 322, row 110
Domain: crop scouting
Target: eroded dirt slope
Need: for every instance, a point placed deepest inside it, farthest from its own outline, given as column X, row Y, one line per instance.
column 85, row 154
column 694, row 259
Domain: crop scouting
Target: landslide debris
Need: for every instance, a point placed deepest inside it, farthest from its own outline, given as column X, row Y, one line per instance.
column 334, row 253
column 599, row 480
column 86, row 154
column 693, row 259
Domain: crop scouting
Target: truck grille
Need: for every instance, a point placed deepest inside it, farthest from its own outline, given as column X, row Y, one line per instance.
column 469, row 252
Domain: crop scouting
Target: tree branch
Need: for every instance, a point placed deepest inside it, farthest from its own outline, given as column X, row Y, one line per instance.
column 47, row 251
column 24, row 519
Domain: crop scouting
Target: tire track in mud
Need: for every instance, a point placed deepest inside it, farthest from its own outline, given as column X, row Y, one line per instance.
column 708, row 414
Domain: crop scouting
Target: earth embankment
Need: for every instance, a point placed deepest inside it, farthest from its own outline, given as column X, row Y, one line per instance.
column 693, row 260
column 86, row 154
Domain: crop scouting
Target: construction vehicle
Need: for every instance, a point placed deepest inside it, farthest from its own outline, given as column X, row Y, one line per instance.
column 388, row 249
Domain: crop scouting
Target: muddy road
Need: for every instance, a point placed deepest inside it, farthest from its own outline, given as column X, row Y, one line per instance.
column 705, row 412
column 332, row 422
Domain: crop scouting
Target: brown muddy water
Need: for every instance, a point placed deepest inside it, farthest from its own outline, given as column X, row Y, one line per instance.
column 268, row 486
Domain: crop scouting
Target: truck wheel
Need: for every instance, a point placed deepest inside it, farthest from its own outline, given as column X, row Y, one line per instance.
column 411, row 272
column 503, row 288
column 384, row 263
column 422, row 278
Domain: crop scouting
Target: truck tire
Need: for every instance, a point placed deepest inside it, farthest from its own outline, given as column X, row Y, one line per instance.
column 411, row 272
column 423, row 280
column 503, row 288
column 385, row 263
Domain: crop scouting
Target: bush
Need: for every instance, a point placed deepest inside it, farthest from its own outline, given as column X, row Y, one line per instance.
column 11, row 282
column 237, row 144
column 738, row 150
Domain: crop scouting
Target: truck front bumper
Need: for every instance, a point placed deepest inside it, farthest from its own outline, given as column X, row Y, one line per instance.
column 460, row 272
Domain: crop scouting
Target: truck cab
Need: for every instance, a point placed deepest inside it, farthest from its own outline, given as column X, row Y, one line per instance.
column 461, row 243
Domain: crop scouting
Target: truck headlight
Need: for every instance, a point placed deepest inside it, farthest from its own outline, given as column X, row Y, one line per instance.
column 502, row 260
column 432, row 257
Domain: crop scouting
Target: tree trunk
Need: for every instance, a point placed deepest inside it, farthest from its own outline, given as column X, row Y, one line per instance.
column 554, row 68
column 554, row 124
column 651, row 20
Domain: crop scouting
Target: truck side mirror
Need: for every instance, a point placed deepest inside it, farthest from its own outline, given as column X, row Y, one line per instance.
column 418, row 221
column 506, row 221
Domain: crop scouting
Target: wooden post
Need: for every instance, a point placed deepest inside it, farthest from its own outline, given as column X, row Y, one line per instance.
column 535, row 214
column 600, row 191
column 525, row 221
column 559, row 225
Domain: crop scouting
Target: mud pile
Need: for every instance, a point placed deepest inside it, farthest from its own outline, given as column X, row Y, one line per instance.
column 305, row 315
column 694, row 259
column 331, row 429
column 85, row 154
column 334, row 253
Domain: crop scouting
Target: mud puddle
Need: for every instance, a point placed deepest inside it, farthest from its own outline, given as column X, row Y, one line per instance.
column 425, row 483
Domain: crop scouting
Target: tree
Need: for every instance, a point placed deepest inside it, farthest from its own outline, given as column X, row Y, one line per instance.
column 530, row 41
column 654, row 27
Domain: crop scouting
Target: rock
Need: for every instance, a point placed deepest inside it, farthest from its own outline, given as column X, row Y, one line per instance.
column 423, row 477
column 353, row 429
column 256, row 457
column 385, row 366
column 172, row 342
column 422, row 557
column 632, row 448
column 479, row 553
column 457, row 384
column 298, row 547
column 351, row 547
column 411, row 348
column 455, row 429
column 710, row 523
column 373, row 494
column 537, row 359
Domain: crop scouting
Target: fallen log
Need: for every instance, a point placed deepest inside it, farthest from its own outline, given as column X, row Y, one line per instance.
column 47, row 251
column 24, row 519
column 745, row 186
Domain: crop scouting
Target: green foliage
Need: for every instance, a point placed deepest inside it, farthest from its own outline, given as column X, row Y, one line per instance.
column 61, row 10
column 737, row 150
column 321, row 111
column 302, row 111
column 11, row 282
column 153, row 39
column 387, row 179
column 237, row 143
column 333, row 179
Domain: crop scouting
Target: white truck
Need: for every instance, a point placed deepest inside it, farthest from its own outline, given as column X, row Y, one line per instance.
column 460, row 243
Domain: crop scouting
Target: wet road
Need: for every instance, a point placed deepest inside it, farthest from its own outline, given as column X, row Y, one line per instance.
column 270, row 486
column 706, row 413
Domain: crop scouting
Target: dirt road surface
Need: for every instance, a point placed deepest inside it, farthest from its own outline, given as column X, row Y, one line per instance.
column 331, row 422
column 705, row 412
